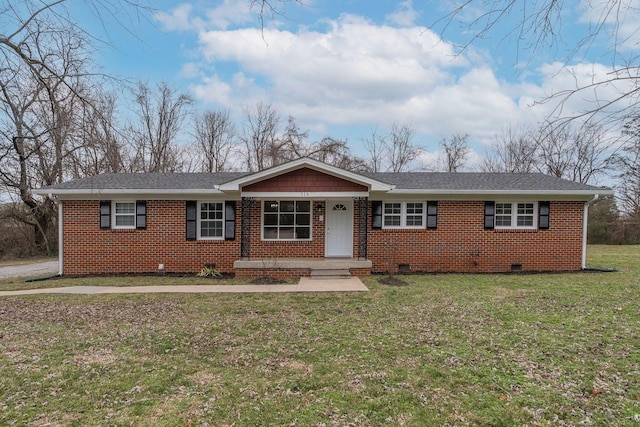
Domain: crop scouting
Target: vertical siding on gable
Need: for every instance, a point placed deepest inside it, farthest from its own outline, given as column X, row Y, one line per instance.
column 304, row 180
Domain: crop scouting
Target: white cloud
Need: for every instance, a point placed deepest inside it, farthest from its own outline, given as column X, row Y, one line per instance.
column 213, row 89
column 354, row 72
column 404, row 16
column 230, row 12
column 184, row 17
column 357, row 73
column 179, row 19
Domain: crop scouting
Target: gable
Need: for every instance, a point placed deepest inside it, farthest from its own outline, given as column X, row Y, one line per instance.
column 304, row 180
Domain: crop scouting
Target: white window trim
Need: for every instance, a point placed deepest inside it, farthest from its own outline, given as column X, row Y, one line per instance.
column 114, row 215
column 403, row 216
column 514, row 216
column 286, row 240
column 199, row 220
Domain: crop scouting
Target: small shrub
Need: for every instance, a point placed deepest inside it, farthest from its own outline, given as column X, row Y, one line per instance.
column 209, row 272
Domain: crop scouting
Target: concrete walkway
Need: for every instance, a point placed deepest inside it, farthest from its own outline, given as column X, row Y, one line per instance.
column 352, row 284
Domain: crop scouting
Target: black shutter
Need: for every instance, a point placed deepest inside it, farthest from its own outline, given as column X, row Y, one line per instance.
column 105, row 214
column 489, row 215
column 432, row 215
column 141, row 214
column 229, row 220
column 543, row 218
column 191, row 219
column 376, row 215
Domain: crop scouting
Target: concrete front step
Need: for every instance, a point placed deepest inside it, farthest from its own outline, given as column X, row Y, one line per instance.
column 329, row 273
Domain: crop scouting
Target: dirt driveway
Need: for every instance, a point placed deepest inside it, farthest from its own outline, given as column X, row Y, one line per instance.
column 36, row 269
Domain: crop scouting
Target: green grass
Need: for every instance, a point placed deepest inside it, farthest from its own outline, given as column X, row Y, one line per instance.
column 20, row 283
column 547, row 349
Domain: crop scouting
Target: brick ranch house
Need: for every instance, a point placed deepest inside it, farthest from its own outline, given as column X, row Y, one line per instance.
column 305, row 215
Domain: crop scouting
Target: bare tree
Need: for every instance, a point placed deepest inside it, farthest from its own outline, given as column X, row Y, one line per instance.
column 215, row 137
column 40, row 101
column 337, row 153
column 629, row 177
column 455, row 149
column 394, row 151
column 578, row 154
column 46, row 81
column 260, row 136
column 400, row 146
column 512, row 152
column 538, row 24
column 101, row 150
column 161, row 113
column 375, row 147
column 292, row 144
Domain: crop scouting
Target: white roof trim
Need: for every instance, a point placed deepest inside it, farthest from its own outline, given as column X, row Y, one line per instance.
column 373, row 184
column 602, row 192
column 124, row 191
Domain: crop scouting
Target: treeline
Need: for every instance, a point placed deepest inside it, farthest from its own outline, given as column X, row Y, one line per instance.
column 607, row 226
column 53, row 136
column 58, row 122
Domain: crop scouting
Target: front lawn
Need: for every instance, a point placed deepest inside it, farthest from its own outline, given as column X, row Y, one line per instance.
column 548, row 349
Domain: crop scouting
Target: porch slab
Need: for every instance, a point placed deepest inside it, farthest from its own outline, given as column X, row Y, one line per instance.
column 302, row 263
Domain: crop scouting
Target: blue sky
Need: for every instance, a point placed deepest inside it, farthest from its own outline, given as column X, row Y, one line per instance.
column 345, row 68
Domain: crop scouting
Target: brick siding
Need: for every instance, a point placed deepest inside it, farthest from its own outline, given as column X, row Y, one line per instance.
column 313, row 248
column 89, row 250
column 459, row 244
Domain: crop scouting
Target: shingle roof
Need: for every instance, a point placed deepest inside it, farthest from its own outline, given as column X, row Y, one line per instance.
column 460, row 181
column 428, row 181
column 149, row 181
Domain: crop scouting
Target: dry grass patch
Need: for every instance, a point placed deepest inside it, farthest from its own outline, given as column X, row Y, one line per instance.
column 550, row 349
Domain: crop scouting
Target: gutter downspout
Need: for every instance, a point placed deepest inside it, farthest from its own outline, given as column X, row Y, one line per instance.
column 585, row 219
column 60, row 237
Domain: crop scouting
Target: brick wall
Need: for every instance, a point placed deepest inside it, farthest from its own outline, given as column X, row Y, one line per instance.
column 461, row 244
column 90, row 250
column 313, row 248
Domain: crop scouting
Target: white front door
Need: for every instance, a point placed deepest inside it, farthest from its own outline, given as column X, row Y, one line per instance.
column 339, row 231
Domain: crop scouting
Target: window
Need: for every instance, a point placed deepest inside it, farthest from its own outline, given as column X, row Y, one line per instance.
column 286, row 220
column 211, row 220
column 392, row 214
column 503, row 214
column 415, row 214
column 515, row 214
column 207, row 220
column 403, row 215
column 124, row 214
